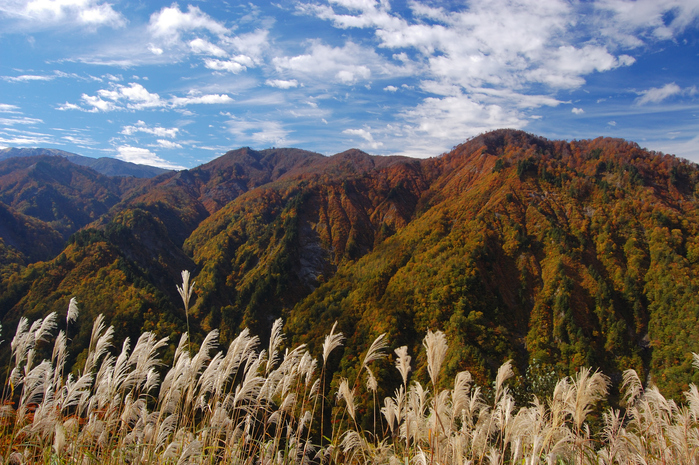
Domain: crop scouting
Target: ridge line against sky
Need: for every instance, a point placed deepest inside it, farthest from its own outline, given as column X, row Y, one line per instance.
column 175, row 85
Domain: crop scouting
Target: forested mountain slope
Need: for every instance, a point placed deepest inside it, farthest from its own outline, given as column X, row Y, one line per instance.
column 555, row 254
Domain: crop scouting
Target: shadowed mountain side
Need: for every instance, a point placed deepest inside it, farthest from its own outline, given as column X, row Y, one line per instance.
column 63, row 196
column 103, row 165
column 32, row 238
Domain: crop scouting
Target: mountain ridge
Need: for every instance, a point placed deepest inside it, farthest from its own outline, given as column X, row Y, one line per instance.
column 554, row 254
column 104, row 165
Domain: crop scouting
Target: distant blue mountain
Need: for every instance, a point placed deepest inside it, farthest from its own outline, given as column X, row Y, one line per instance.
column 104, row 165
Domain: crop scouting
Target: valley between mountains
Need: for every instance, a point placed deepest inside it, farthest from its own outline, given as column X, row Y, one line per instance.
column 554, row 254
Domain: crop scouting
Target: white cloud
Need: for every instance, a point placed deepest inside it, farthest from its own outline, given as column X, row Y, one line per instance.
column 345, row 65
column 578, row 111
column 252, row 44
column 366, row 135
column 47, row 77
column 282, row 84
column 19, row 120
column 486, row 62
column 136, row 97
column 143, row 156
column 7, row 108
column 168, row 144
column 155, row 50
column 25, row 140
column 495, row 56
column 205, row 47
column 631, row 23
column 170, row 22
column 219, row 65
column 69, row 106
column 658, row 94
column 208, row 99
column 95, row 102
column 259, row 132
column 456, row 118
column 568, row 64
column 141, row 126
column 80, row 141
column 29, row 77
column 611, row 123
column 90, row 13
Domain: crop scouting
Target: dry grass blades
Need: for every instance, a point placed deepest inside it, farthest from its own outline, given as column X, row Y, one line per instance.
column 248, row 405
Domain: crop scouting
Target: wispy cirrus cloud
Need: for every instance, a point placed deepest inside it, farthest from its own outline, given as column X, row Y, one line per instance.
column 7, row 108
column 261, row 132
column 10, row 137
column 22, row 120
column 48, row 77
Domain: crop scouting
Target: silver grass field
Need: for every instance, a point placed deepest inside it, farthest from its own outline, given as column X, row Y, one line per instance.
column 253, row 405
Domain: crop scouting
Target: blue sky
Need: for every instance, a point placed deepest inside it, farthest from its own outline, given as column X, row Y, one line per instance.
column 178, row 84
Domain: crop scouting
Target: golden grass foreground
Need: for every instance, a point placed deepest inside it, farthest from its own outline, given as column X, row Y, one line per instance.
column 253, row 406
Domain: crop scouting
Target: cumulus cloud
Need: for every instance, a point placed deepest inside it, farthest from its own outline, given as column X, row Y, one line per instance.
column 205, row 47
column 155, row 50
column 68, row 106
column 252, row 44
column 143, row 156
column 578, row 111
column 460, row 116
column 41, row 13
column 282, row 84
column 658, row 94
column 136, row 97
column 158, row 131
column 632, row 23
column 390, row 88
column 345, row 65
column 486, row 62
column 231, row 66
column 364, row 134
column 170, row 22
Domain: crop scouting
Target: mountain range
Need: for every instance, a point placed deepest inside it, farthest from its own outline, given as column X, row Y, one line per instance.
column 103, row 165
column 554, row 254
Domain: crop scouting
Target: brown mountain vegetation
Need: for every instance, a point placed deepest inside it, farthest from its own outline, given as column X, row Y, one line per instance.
column 554, row 254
